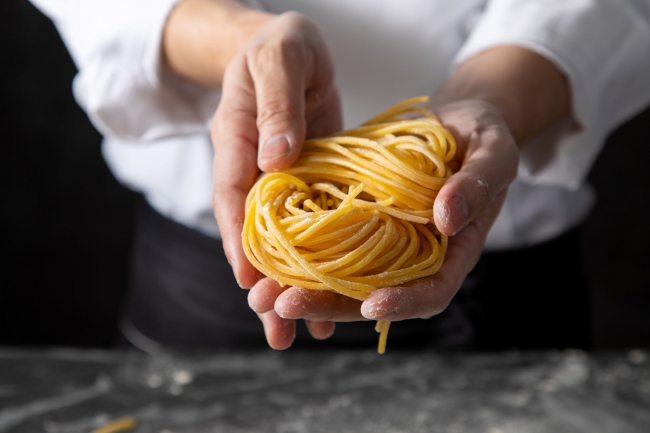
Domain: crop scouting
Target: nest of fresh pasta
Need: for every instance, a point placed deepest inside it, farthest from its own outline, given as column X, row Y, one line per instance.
column 355, row 212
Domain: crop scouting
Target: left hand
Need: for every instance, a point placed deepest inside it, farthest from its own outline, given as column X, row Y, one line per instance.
column 278, row 90
column 465, row 209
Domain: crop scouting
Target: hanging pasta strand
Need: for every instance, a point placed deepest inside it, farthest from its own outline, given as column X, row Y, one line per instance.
column 355, row 212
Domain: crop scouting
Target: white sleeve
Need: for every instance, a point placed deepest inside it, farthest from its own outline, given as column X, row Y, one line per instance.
column 121, row 84
column 602, row 46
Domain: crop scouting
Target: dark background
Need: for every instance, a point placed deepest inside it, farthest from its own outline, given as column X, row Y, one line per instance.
column 67, row 224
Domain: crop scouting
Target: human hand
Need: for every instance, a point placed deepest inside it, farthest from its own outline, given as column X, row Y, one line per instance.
column 494, row 101
column 276, row 91
column 465, row 209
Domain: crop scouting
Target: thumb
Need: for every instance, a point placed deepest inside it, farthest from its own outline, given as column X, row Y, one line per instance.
column 488, row 169
column 292, row 72
column 280, row 95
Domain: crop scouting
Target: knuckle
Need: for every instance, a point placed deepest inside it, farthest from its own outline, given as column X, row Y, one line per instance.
column 286, row 47
column 296, row 21
column 292, row 44
column 276, row 111
column 289, row 47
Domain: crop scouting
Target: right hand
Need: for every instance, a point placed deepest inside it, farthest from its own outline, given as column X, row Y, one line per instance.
column 277, row 91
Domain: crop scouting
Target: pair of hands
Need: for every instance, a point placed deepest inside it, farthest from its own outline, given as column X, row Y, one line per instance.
column 278, row 90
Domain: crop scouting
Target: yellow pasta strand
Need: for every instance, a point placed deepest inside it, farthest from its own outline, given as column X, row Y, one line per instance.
column 118, row 425
column 355, row 212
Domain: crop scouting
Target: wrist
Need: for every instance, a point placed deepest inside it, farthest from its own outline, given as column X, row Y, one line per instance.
column 527, row 89
column 202, row 36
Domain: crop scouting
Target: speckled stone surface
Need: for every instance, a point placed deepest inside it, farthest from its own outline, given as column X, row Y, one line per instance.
column 71, row 391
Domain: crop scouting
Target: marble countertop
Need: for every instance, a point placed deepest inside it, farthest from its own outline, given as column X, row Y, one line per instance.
column 76, row 391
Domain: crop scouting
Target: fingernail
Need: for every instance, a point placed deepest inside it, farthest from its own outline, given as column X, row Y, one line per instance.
column 458, row 211
column 275, row 147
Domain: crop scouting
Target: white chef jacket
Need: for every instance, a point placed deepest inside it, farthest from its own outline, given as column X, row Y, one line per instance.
column 156, row 124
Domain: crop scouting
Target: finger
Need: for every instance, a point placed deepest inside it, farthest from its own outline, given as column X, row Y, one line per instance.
column 234, row 137
column 320, row 330
column 286, row 70
column 279, row 332
column 262, row 296
column 279, row 74
column 427, row 297
column 317, row 305
column 489, row 165
column 326, row 118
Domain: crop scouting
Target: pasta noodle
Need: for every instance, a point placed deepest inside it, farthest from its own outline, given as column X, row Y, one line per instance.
column 355, row 212
column 118, row 425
